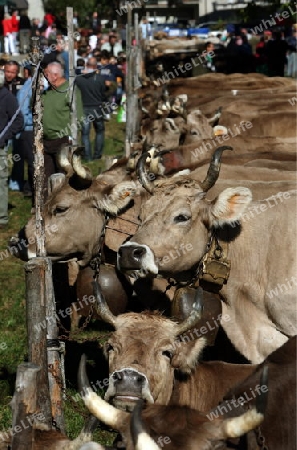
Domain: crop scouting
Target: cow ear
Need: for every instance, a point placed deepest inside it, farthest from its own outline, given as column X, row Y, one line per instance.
column 187, row 355
column 118, row 197
column 229, row 206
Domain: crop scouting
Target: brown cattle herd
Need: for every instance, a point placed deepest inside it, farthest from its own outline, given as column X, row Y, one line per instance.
column 197, row 231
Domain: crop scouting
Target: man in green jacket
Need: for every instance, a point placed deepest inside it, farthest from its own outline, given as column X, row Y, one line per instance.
column 57, row 117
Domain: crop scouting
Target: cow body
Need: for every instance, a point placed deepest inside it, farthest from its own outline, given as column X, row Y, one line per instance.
column 177, row 217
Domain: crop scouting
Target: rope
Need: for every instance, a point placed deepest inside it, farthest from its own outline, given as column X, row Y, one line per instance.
column 21, row 105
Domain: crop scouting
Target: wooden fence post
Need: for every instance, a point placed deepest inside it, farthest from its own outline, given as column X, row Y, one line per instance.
column 41, row 315
column 72, row 95
column 55, row 353
column 35, row 271
column 38, row 151
column 24, row 406
column 132, row 83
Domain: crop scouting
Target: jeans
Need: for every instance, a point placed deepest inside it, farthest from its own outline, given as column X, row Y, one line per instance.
column 3, row 186
column 99, row 129
column 23, row 149
column 51, row 148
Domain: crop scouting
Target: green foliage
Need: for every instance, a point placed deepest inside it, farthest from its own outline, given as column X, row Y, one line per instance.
column 250, row 12
column 220, row 25
column 84, row 8
column 106, row 9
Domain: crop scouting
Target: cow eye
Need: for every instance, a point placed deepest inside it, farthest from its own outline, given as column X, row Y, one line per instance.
column 60, row 209
column 108, row 347
column 168, row 354
column 181, row 218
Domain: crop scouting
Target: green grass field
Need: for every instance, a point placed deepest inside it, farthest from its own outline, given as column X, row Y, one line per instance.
column 13, row 337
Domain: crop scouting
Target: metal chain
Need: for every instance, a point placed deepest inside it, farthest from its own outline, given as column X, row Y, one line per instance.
column 173, row 283
column 60, row 348
column 71, row 335
column 65, row 396
column 260, row 439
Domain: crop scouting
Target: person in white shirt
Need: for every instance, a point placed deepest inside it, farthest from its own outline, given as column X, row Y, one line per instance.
column 112, row 46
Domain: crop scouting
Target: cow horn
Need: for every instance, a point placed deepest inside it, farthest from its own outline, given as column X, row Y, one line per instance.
column 142, row 174
column 102, row 410
column 102, row 307
column 79, row 169
column 251, row 419
column 214, row 168
column 141, row 439
column 63, row 160
column 131, row 163
column 194, row 316
column 54, row 181
column 214, row 120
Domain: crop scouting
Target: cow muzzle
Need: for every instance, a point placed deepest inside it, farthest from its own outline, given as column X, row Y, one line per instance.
column 126, row 387
column 137, row 260
column 18, row 246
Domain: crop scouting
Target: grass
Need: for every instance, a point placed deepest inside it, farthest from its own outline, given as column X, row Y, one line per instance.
column 13, row 334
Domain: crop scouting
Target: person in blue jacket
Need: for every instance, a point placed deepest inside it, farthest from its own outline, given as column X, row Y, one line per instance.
column 25, row 139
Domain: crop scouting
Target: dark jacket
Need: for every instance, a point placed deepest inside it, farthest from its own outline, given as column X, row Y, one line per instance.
column 15, row 85
column 25, row 23
column 8, row 106
column 93, row 89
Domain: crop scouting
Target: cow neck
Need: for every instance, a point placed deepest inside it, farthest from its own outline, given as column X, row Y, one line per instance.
column 214, row 266
column 213, row 269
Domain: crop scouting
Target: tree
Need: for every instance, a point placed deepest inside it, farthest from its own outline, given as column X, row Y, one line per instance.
column 84, row 8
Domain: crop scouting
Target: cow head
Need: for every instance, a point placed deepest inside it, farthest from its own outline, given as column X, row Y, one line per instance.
column 74, row 216
column 166, row 132
column 144, row 352
column 177, row 222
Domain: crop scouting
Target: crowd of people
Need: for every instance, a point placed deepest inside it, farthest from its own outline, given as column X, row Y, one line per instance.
column 273, row 55
column 100, row 71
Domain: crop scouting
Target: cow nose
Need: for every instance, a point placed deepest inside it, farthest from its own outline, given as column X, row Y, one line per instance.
column 131, row 256
column 128, row 380
column 138, row 252
column 18, row 245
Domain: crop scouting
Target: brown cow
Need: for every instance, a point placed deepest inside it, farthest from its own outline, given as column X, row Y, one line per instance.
column 209, row 85
column 177, row 224
column 147, row 344
column 148, row 357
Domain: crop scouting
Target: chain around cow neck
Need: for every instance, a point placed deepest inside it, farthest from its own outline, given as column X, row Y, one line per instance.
column 212, row 270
